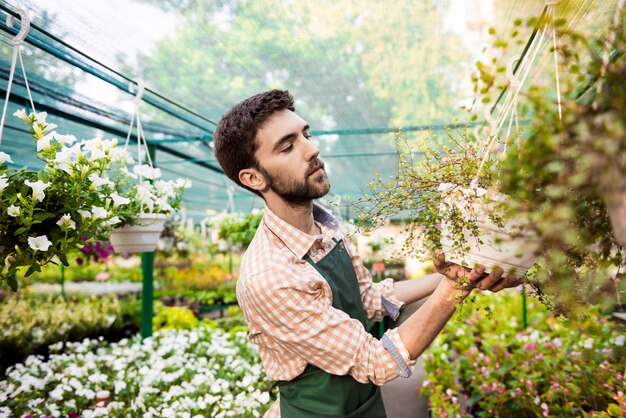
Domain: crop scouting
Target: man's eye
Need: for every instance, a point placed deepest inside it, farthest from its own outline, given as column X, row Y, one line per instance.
column 307, row 135
column 287, row 148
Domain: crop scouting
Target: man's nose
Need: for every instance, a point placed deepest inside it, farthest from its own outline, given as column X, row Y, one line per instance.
column 312, row 151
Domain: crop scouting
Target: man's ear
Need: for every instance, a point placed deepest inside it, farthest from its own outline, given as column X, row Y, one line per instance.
column 252, row 178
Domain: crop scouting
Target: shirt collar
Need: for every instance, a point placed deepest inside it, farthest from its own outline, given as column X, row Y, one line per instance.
column 297, row 241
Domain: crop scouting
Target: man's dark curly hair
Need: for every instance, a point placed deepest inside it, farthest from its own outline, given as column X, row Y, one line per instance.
column 234, row 140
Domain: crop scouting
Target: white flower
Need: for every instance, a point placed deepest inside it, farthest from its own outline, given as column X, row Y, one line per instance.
column 66, row 222
column 44, row 142
column 98, row 212
column 13, row 210
column 98, row 181
column 84, row 213
column 114, row 220
column 65, row 139
column 41, row 117
column 128, row 173
column 40, row 243
column 182, row 183
column 21, row 114
column 619, row 341
column 119, row 200
column 146, row 171
column 38, row 188
column 588, row 343
column 5, row 157
column 4, row 182
column 120, row 154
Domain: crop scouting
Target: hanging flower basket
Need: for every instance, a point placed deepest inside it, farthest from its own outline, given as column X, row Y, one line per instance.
column 510, row 247
column 141, row 237
column 616, row 207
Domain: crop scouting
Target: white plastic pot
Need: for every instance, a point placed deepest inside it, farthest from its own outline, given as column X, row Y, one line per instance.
column 509, row 248
column 139, row 238
column 616, row 207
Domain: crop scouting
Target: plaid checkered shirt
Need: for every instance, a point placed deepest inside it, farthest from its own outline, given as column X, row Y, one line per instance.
column 287, row 306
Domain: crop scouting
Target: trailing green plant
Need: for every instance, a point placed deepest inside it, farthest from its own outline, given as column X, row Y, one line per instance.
column 544, row 170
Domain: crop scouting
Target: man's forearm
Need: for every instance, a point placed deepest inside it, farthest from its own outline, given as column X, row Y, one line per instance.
column 409, row 291
column 421, row 328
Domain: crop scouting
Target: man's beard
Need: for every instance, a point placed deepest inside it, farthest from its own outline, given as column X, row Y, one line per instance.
column 298, row 193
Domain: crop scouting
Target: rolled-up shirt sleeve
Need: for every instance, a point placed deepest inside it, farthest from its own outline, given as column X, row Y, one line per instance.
column 296, row 316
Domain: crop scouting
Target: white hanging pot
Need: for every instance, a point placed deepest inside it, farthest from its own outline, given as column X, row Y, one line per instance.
column 616, row 207
column 138, row 238
column 510, row 248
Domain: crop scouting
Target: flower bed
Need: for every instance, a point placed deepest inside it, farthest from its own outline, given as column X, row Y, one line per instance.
column 30, row 323
column 180, row 373
column 486, row 366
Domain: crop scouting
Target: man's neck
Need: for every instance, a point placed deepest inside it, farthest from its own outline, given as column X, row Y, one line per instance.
column 300, row 216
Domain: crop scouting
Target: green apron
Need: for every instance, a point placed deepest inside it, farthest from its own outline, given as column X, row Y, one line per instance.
column 316, row 393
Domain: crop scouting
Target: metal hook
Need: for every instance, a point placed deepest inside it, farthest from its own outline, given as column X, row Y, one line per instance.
column 140, row 90
column 21, row 35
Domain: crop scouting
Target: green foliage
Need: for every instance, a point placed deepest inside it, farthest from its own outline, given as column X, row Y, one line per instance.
column 550, row 177
column 563, row 174
column 237, row 229
column 30, row 323
column 486, row 365
column 175, row 317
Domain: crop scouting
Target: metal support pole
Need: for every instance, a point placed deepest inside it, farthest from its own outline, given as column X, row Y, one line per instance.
column 147, row 294
column 63, row 281
column 524, row 309
column 147, row 287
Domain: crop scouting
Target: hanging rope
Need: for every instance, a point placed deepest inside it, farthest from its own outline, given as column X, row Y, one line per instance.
column 17, row 43
column 509, row 107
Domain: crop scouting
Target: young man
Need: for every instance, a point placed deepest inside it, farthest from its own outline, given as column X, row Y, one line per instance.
column 304, row 293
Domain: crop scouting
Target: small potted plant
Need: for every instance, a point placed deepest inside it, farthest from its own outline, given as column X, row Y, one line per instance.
column 146, row 200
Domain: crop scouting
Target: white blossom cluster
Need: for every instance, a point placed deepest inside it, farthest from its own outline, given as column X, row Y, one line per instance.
column 179, row 373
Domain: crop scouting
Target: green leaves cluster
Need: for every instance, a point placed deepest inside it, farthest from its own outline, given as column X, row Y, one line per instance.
column 237, row 229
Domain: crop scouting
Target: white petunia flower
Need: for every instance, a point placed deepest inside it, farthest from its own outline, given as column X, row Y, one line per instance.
column 38, row 188
column 65, row 139
column 13, row 210
column 114, row 220
column 66, row 222
column 98, row 212
column 588, row 343
column 98, row 181
column 4, row 182
column 44, row 142
column 21, row 114
column 119, row 200
column 147, row 172
column 619, row 341
column 41, row 117
column 40, row 243
column 84, row 213
column 5, row 157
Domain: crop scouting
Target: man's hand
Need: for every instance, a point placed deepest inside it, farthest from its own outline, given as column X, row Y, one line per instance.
column 464, row 280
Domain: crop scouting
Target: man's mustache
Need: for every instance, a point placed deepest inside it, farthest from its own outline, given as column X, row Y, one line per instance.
column 315, row 164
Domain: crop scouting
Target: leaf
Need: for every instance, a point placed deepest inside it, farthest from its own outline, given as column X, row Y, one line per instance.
column 40, row 217
column 12, row 282
column 21, row 230
column 63, row 258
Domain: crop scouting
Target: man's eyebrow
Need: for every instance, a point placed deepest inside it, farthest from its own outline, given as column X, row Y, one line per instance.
column 288, row 138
